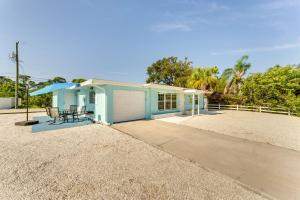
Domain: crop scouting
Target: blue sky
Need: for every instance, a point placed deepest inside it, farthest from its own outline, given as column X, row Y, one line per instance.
column 118, row 39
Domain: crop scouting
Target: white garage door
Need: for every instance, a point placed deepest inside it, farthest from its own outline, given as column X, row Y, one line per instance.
column 128, row 105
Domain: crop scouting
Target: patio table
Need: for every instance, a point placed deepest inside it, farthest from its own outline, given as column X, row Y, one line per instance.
column 65, row 113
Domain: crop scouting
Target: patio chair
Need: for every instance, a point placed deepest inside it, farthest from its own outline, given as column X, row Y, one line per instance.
column 73, row 109
column 56, row 115
column 48, row 113
column 78, row 114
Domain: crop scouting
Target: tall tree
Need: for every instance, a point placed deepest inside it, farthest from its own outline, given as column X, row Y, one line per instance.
column 78, row 80
column 234, row 76
column 58, row 80
column 170, row 71
column 204, row 78
column 277, row 86
column 7, row 87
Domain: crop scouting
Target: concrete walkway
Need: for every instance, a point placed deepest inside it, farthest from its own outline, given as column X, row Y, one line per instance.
column 266, row 168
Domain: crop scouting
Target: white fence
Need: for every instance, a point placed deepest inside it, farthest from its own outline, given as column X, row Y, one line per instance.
column 8, row 102
column 265, row 109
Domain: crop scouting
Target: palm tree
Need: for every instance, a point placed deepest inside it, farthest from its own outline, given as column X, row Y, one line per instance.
column 204, row 78
column 234, row 76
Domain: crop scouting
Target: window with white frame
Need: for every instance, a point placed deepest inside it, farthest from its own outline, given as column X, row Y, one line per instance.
column 174, row 101
column 161, row 102
column 167, row 101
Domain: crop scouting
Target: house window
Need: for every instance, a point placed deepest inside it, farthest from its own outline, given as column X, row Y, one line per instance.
column 167, row 101
column 92, row 97
column 174, row 101
column 161, row 101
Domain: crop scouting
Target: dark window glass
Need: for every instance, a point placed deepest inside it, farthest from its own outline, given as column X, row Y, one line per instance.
column 160, row 105
column 161, row 102
column 160, row 97
column 168, row 105
column 92, row 97
column 168, row 97
column 174, row 103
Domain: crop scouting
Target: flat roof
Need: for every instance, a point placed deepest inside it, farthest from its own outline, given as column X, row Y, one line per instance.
column 95, row 82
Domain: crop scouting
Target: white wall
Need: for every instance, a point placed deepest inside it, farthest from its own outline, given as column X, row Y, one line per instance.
column 8, row 102
column 100, row 106
column 69, row 99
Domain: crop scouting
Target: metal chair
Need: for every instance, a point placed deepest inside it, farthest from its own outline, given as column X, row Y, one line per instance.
column 73, row 109
column 48, row 113
column 56, row 115
column 82, row 112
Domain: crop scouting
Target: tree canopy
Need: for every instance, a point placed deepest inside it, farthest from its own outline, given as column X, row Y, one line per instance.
column 204, row 78
column 170, row 71
column 234, row 76
column 78, row 80
column 7, row 89
column 58, row 80
column 277, row 86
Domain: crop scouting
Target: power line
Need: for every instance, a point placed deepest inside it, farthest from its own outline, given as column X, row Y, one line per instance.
column 7, row 74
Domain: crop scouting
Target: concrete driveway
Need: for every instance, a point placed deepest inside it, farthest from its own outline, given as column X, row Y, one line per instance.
column 265, row 168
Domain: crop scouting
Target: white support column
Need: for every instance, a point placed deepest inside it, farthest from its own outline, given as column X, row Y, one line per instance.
column 198, row 104
column 193, row 105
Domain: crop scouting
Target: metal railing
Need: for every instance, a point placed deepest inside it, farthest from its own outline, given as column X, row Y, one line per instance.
column 265, row 109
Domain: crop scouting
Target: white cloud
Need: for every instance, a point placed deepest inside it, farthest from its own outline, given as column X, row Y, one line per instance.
column 213, row 6
column 280, row 4
column 164, row 27
column 260, row 49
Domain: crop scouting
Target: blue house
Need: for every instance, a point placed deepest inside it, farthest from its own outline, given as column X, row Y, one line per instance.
column 113, row 102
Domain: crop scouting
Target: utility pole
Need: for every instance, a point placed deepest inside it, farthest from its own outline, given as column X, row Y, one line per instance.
column 17, row 76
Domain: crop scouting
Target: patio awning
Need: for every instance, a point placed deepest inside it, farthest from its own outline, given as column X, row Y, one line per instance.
column 53, row 87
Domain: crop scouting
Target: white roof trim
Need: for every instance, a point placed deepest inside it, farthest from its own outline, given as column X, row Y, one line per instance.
column 193, row 91
column 92, row 82
column 166, row 87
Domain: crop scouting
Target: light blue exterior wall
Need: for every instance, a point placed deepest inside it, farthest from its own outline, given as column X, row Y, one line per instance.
column 60, row 99
column 154, row 101
column 103, row 108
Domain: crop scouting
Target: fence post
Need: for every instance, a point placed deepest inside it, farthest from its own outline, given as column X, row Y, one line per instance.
column 237, row 106
column 219, row 106
column 289, row 112
column 259, row 108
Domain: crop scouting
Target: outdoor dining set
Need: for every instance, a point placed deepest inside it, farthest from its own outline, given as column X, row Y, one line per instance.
column 64, row 115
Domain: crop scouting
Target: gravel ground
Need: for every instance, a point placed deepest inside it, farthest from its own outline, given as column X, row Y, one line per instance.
column 280, row 130
column 97, row 162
